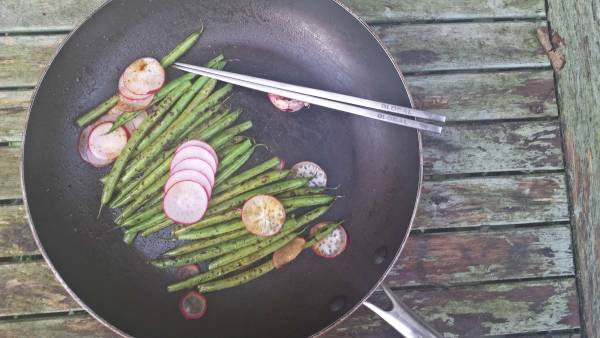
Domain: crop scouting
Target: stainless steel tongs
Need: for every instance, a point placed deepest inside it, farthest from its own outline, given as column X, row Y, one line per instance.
column 350, row 104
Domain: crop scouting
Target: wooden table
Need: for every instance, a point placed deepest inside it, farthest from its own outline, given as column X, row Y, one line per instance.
column 491, row 252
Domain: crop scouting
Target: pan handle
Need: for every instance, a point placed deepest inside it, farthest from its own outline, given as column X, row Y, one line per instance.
column 403, row 319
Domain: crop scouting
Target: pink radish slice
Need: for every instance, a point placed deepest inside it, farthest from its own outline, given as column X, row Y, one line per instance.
column 144, row 76
column 126, row 104
column 83, row 145
column 134, row 124
column 83, row 142
column 185, row 202
column 333, row 245
column 107, row 146
column 193, row 305
column 285, row 104
column 194, row 152
column 310, row 169
column 96, row 161
column 199, row 143
column 123, row 90
column 189, row 175
column 197, row 165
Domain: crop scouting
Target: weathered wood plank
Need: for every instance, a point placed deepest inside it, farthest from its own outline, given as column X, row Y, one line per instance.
column 23, row 58
column 10, row 185
column 442, row 47
column 15, row 236
column 493, row 147
column 486, row 96
column 18, row 16
column 79, row 326
column 492, row 201
column 29, row 288
column 477, row 311
column 13, row 109
column 578, row 23
column 472, row 257
column 387, row 11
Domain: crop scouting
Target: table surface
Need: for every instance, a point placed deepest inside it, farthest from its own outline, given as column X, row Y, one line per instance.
column 491, row 252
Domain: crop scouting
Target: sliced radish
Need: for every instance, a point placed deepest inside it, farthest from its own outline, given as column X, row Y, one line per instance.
column 310, row 169
column 332, row 245
column 107, row 146
column 134, row 124
column 263, row 215
column 84, row 142
column 113, row 113
column 144, row 76
column 289, row 252
column 126, row 104
column 199, row 143
column 286, row 104
column 187, row 271
column 194, row 152
column 197, row 165
column 123, row 90
column 185, row 202
column 97, row 162
column 189, row 175
column 193, row 305
column 281, row 164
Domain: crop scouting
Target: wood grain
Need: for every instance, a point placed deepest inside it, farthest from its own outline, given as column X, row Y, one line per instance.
column 578, row 23
column 493, row 147
column 486, row 96
column 475, row 256
column 15, row 236
column 492, row 201
column 13, row 109
column 386, row 11
column 464, row 46
column 79, row 326
column 10, row 185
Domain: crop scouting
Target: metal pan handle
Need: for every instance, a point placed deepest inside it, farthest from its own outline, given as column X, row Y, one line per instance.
column 403, row 319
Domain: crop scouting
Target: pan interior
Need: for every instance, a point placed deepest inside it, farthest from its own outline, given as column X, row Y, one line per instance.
column 314, row 43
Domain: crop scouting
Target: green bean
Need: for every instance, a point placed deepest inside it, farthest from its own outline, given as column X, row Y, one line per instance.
column 152, row 221
column 257, row 182
column 129, row 237
column 166, row 89
column 135, row 139
column 232, row 168
column 231, row 142
column 229, row 134
column 156, row 208
column 210, row 220
column 297, row 202
column 98, row 111
column 162, row 225
column 134, row 188
column 152, row 191
column 122, row 119
column 181, row 48
column 273, row 189
column 248, row 174
column 171, row 135
column 303, row 191
column 235, row 152
column 242, row 278
column 208, row 130
column 205, row 243
column 290, row 226
column 212, row 231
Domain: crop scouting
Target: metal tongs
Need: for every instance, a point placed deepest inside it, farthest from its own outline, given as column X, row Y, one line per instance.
column 346, row 103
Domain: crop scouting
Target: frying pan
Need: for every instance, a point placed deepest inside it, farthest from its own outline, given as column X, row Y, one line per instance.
column 314, row 43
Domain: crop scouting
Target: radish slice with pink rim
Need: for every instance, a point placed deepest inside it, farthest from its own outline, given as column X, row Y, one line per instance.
column 194, row 152
column 189, row 175
column 83, row 145
column 107, row 146
column 310, row 169
column 144, row 76
column 126, row 104
column 123, row 90
column 134, row 124
column 199, row 143
column 285, row 104
column 193, row 305
column 197, row 165
column 333, row 245
column 185, row 202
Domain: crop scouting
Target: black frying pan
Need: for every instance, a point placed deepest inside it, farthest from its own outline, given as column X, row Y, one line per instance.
column 315, row 43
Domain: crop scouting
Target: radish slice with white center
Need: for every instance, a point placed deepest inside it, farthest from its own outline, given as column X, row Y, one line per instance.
column 189, row 175
column 84, row 137
column 332, row 245
column 187, row 271
column 199, row 143
column 98, row 162
column 310, row 169
column 134, row 124
column 193, row 305
column 123, row 90
column 185, row 202
column 197, row 165
column 144, row 76
column 194, row 152
column 263, row 215
column 107, row 146
column 113, row 113
column 126, row 104
column 285, row 104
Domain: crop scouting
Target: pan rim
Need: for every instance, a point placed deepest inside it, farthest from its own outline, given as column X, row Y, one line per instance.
column 116, row 329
